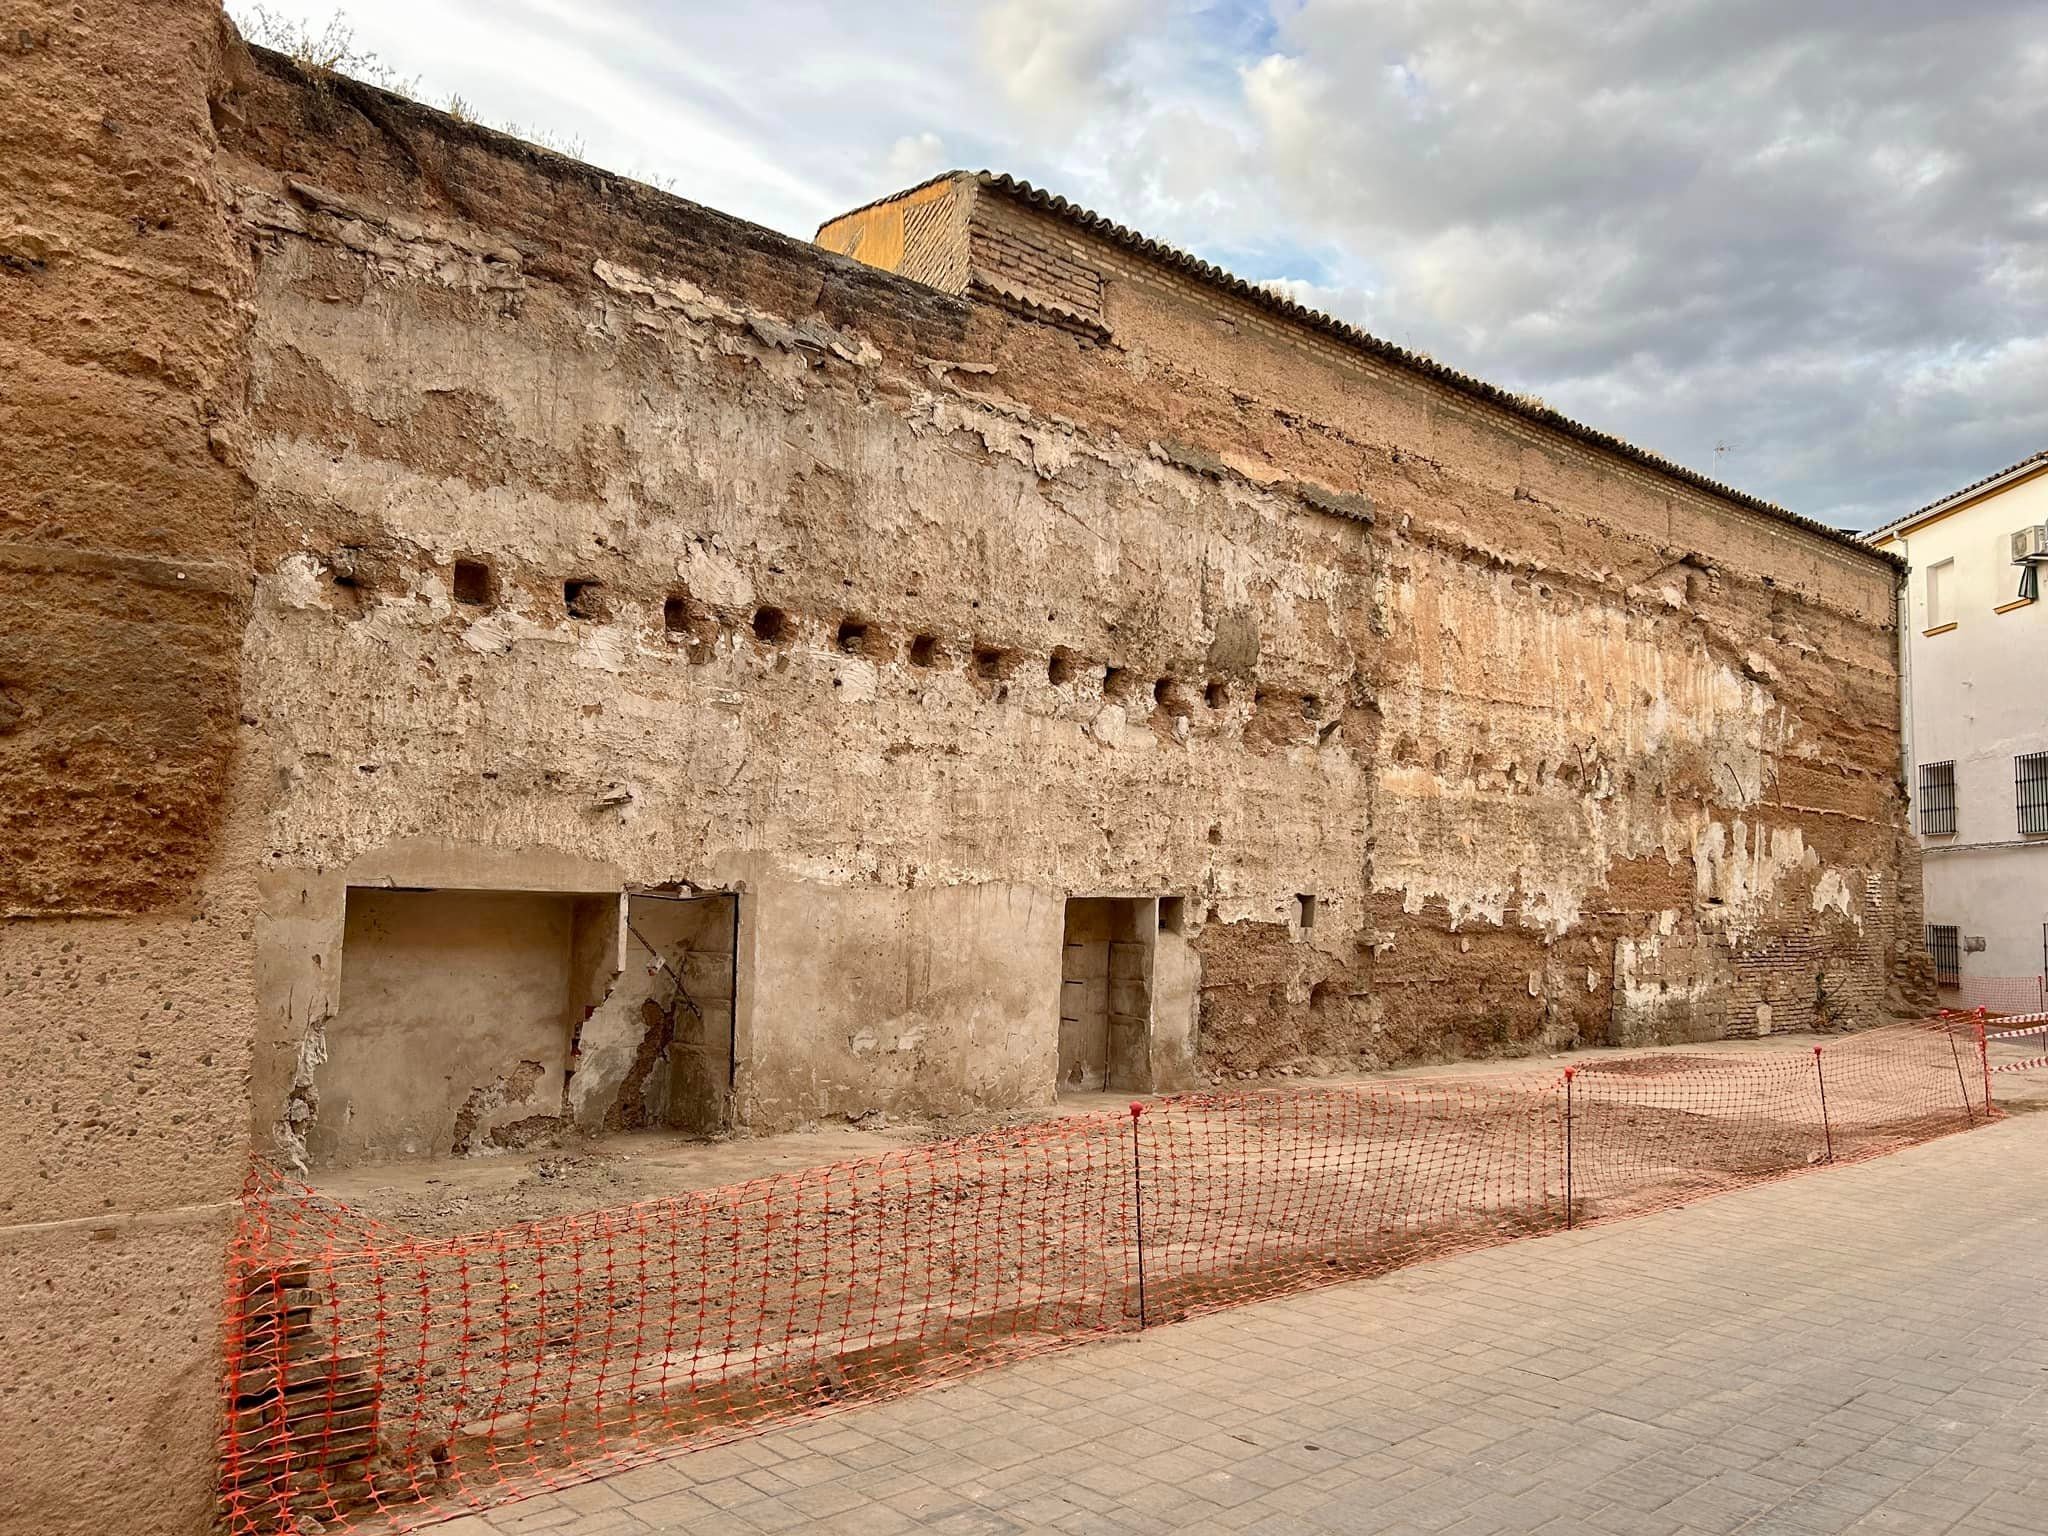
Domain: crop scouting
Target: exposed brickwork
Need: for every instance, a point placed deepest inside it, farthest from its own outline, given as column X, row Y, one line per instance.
column 1033, row 258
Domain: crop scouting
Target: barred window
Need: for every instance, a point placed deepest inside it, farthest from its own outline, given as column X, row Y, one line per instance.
column 1945, row 944
column 1937, row 799
column 2030, row 790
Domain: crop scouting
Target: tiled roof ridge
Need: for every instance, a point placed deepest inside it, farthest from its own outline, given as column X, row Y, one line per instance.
column 2038, row 456
column 1359, row 340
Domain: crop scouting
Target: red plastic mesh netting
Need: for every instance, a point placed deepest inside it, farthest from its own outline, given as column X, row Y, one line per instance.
column 378, row 1377
column 2000, row 995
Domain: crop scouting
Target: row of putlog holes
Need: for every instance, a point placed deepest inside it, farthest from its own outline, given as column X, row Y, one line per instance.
column 475, row 586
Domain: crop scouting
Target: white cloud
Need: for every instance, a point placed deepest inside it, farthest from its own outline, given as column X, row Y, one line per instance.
column 1051, row 56
column 915, row 157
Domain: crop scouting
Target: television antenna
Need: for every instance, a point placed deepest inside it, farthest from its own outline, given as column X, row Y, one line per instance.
column 1722, row 448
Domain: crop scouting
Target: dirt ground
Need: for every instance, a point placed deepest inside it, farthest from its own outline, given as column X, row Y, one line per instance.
column 446, row 1196
column 454, row 1195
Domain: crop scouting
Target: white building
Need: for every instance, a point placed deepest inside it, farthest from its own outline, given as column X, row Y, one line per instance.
column 1975, row 676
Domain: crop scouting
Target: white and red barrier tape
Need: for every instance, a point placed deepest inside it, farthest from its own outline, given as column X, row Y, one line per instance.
column 2032, row 1023
column 2035, row 1024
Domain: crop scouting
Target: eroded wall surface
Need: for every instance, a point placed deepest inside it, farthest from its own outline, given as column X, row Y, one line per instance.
column 827, row 589
column 504, row 527
column 1010, row 658
column 656, row 1051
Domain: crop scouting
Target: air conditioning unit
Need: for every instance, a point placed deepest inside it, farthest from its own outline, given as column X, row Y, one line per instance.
column 2030, row 544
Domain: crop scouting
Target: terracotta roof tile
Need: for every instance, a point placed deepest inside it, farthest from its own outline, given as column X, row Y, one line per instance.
column 1958, row 494
column 1364, row 342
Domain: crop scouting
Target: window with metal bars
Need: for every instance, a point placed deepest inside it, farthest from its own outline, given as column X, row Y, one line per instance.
column 1944, row 942
column 1937, row 799
column 2030, row 790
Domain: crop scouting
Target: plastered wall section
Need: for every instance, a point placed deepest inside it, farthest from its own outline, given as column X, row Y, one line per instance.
column 456, row 1015
column 1973, row 689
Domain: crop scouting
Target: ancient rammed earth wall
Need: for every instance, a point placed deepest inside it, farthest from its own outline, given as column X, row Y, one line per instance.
column 1629, row 744
column 905, row 613
column 1010, row 659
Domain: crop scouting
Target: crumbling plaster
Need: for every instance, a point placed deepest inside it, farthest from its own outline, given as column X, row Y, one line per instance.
column 1464, row 696
column 705, row 739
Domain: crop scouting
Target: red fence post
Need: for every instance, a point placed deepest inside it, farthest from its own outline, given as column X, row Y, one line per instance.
column 1138, row 1209
column 1569, row 1074
column 1956, row 1054
column 1984, row 1061
column 1827, row 1130
column 365, row 1368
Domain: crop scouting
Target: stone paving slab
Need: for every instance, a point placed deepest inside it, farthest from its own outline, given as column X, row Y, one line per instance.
column 1862, row 1349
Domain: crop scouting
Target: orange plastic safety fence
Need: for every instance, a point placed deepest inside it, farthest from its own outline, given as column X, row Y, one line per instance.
column 1997, row 994
column 378, row 1377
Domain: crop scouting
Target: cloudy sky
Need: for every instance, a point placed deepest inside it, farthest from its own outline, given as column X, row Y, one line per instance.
column 1816, row 230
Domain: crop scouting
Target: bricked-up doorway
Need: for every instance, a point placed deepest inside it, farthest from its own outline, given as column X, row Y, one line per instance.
column 681, row 954
column 1106, row 994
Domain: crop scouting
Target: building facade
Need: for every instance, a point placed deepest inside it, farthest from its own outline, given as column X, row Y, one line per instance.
column 1975, row 651
column 492, row 653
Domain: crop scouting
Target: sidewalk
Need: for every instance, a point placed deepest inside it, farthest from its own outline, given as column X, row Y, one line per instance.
column 1860, row 1349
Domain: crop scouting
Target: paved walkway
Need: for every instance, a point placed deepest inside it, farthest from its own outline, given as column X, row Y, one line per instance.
column 1862, row 1349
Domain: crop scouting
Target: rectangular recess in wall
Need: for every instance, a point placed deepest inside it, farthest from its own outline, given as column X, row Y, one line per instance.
column 1941, row 594
column 1938, row 799
column 1106, row 994
column 453, row 1029
column 473, row 584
